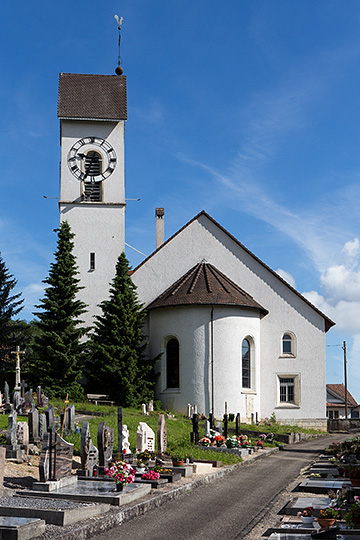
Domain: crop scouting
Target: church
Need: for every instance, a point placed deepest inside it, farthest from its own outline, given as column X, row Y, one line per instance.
column 229, row 328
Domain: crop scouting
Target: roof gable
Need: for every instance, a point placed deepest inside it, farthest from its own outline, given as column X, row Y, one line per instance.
column 328, row 322
column 338, row 392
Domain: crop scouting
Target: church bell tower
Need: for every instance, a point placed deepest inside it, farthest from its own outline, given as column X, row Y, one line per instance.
column 92, row 110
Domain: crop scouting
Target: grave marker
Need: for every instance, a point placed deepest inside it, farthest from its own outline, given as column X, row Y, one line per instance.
column 161, row 435
column 105, row 442
column 194, row 436
column 56, row 457
column 22, row 433
column 42, row 426
column 11, row 430
column 145, row 438
column 88, row 452
column 150, row 406
column 237, row 425
column 33, row 419
column 125, row 441
column 49, row 413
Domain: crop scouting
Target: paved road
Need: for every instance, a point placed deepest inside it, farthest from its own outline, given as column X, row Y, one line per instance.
column 227, row 508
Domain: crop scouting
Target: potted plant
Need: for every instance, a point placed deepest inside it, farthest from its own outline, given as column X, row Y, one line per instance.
column 143, row 459
column 178, row 461
column 352, row 516
column 327, row 517
column 122, row 473
column 307, row 515
column 353, row 473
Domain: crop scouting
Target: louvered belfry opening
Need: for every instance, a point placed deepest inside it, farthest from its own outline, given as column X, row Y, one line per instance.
column 92, row 191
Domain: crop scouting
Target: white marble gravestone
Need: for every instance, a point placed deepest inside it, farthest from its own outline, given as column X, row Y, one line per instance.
column 125, row 440
column 145, row 438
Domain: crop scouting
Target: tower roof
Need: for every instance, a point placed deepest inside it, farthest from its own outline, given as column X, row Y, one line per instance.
column 99, row 97
column 205, row 285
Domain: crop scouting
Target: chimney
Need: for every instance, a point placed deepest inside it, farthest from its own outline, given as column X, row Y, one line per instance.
column 159, row 216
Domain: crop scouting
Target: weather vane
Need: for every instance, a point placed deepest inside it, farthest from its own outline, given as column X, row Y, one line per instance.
column 119, row 70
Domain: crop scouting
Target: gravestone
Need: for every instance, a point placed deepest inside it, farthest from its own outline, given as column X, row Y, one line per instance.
column 237, row 425
column 125, row 441
column 219, row 427
column 207, row 428
column 225, row 425
column 211, row 420
column 42, row 426
column 38, row 397
column 17, row 400
column 194, row 436
column 33, row 419
column 29, row 400
column 150, row 406
column 189, row 410
column 161, row 435
column 56, row 457
column 22, row 433
column 11, row 430
column 6, row 394
column 143, row 409
column 69, row 424
column 145, row 438
column 49, row 413
column 105, row 442
column 88, row 452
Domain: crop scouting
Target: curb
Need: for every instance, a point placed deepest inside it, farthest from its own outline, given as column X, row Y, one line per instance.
column 115, row 517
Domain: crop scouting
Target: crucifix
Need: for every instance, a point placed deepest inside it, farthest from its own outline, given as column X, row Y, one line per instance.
column 17, row 369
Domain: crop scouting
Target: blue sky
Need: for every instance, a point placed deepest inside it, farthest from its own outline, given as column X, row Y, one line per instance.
column 246, row 109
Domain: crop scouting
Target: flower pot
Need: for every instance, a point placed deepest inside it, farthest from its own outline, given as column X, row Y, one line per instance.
column 178, row 463
column 307, row 520
column 355, row 482
column 119, row 487
column 325, row 523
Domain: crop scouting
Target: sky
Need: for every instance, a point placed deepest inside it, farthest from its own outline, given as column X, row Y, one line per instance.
column 247, row 109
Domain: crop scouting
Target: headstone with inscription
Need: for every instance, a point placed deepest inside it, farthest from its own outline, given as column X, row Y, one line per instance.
column 33, row 419
column 161, row 435
column 49, row 413
column 22, row 433
column 88, row 452
column 56, row 457
column 105, row 442
column 145, row 438
column 42, row 426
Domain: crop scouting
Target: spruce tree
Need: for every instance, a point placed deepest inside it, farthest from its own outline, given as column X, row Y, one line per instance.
column 10, row 305
column 118, row 365
column 58, row 349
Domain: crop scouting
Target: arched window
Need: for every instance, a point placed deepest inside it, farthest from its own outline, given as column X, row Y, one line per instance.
column 288, row 344
column 172, row 364
column 246, row 364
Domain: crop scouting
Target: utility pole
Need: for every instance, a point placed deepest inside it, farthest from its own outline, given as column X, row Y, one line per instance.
column 345, row 380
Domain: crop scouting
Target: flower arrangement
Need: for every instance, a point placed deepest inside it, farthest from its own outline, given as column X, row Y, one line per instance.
column 219, row 440
column 205, row 441
column 267, row 437
column 329, row 513
column 232, row 442
column 161, row 470
column 121, row 472
column 352, row 472
column 151, row 475
column 352, row 516
column 143, row 457
column 307, row 512
column 260, row 444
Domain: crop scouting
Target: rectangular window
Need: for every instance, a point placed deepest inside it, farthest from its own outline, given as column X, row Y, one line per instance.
column 92, row 261
column 287, row 390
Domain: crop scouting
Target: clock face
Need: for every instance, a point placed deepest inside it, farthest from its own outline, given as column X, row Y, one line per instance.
column 92, row 159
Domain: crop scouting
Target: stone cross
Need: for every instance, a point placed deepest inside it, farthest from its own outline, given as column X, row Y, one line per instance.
column 161, row 435
column 17, row 368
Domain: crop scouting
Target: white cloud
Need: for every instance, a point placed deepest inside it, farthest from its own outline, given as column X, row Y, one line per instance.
column 352, row 248
column 288, row 277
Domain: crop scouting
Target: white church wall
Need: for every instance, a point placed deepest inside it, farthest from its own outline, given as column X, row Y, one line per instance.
column 191, row 325
column 204, row 240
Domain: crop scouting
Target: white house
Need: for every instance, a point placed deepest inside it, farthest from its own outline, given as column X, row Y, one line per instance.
column 231, row 330
column 335, row 402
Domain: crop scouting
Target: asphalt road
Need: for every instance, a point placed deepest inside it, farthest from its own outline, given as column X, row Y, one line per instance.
column 227, row 508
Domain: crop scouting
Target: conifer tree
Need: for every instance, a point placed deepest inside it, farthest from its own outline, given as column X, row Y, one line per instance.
column 10, row 305
column 58, row 351
column 118, row 365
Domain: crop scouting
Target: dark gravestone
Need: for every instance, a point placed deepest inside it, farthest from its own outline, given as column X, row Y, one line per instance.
column 6, row 393
column 33, row 419
column 194, row 436
column 237, row 425
column 70, row 418
column 105, row 442
column 161, row 435
column 49, row 413
column 88, row 452
column 211, row 420
column 225, row 426
column 38, row 397
column 42, row 426
column 56, row 457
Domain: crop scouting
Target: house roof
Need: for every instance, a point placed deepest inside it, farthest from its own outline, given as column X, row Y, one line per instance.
column 99, row 97
column 328, row 322
column 338, row 391
column 205, row 285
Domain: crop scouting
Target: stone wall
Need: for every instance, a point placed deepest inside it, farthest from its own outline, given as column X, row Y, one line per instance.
column 344, row 424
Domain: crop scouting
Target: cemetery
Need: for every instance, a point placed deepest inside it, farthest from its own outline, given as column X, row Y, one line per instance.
column 86, row 462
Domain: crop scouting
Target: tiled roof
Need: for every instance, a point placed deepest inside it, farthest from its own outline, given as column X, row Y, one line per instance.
column 339, row 391
column 328, row 322
column 205, row 285
column 102, row 97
